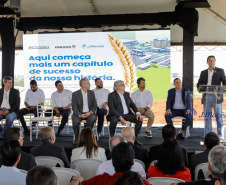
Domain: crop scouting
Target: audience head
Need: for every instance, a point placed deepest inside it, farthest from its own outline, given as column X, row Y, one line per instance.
column 116, row 139
column 122, row 157
column 141, row 83
column 13, row 134
column 217, row 160
column 84, row 84
column 170, row 158
column 129, row 178
column 169, row 131
column 129, row 134
column 48, row 134
column 33, row 85
column 222, row 179
column 10, row 153
column 99, row 83
column 211, row 139
column 119, row 86
column 87, row 140
column 41, row 175
column 8, row 82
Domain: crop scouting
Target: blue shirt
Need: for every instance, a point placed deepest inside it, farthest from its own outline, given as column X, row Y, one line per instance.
column 178, row 104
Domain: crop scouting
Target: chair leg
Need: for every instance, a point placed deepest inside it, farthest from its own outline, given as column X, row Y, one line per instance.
column 37, row 130
column 96, row 131
column 67, row 127
column 30, row 130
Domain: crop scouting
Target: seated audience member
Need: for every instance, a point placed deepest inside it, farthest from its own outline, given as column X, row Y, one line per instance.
column 129, row 178
column 168, row 131
column 211, row 139
column 107, row 166
column 27, row 161
column 87, row 147
column 9, row 173
column 222, row 179
column 170, row 162
column 48, row 148
column 33, row 96
column 122, row 159
column 216, row 165
column 120, row 105
column 140, row 153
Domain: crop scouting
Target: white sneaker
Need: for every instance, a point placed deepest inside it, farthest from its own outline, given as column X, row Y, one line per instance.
column 148, row 134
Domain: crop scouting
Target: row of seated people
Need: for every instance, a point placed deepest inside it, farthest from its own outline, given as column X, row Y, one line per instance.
column 122, row 161
column 89, row 104
column 168, row 154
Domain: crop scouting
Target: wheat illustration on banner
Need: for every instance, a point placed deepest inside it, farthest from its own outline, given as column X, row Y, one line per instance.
column 125, row 58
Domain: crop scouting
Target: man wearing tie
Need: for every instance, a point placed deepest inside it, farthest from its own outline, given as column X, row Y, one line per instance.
column 212, row 76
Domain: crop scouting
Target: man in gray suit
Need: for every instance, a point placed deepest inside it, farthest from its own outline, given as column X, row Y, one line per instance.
column 84, row 107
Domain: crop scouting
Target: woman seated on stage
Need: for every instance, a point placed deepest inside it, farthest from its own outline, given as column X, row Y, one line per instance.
column 170, row 162
column 87, row 147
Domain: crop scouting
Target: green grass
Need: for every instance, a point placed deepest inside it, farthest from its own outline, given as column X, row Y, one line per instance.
column 157, row 81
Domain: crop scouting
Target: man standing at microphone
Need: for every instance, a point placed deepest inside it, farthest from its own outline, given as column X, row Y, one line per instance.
column 212, row 76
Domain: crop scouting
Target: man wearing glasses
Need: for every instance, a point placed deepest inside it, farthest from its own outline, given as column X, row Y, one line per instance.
column 119, row 103
column 101, row 95
column 84, row 107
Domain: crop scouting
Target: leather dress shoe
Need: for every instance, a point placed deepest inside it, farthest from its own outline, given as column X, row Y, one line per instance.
column 138, row 143
column 180, row 136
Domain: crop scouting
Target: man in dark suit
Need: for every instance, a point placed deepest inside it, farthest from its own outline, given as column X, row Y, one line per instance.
column 140, row 153
column 211, row 139
column 10, row 103
column 27, row 161
column 213, row 76
column 168, row 131
column 84, row 107
column 48, row 148
column 178, row 104
column 119, row 103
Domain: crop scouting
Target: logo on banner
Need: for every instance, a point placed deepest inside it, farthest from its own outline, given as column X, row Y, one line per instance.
column 38, row 47
column 65, row 47
column 92, row 46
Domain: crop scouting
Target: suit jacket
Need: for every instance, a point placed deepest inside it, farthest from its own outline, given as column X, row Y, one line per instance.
column 14, row 100
column 154, row 152
column 186, row 98
column 217, row 78
column 77, row 102
column 49, row 149
column 115, row 104
column 197, row 159
column 141, row 154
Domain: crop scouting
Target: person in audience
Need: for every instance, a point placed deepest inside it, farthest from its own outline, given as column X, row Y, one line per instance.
column 129, row 178
column 140, row 153
column 27, row 161
column 84, row 107
column 168, row 131
column 33, row 96
column 61, row 103
column 101, row 95
column 143, row 100
column 107, row 166
column 122, row 159
column 222, row 179
column 41, row 175
column 119, row 103
column 87, row 147
column 211, row 139
column 9, row 173
column 48, row 148
column 179, row 104
column 216, row 165
column 170, row 162
column 10, row 104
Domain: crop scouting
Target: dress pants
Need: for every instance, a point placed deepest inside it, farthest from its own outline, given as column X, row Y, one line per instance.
column 100, row 114
column 178, row 112
column 22, row 113
column 128, row 117
column 76, row 121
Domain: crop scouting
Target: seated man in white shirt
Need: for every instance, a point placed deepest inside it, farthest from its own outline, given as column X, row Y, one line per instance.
column 143, row 100
column 107, row 166
column 9, row 173
column 101, row 95
column 61, row 103
column 33, row 97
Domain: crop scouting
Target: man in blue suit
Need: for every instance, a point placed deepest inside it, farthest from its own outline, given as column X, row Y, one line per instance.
column 178, row 104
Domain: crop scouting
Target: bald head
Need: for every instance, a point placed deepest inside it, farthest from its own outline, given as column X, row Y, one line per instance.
column 129, row 134
column 47, row 134
column 116, row 139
